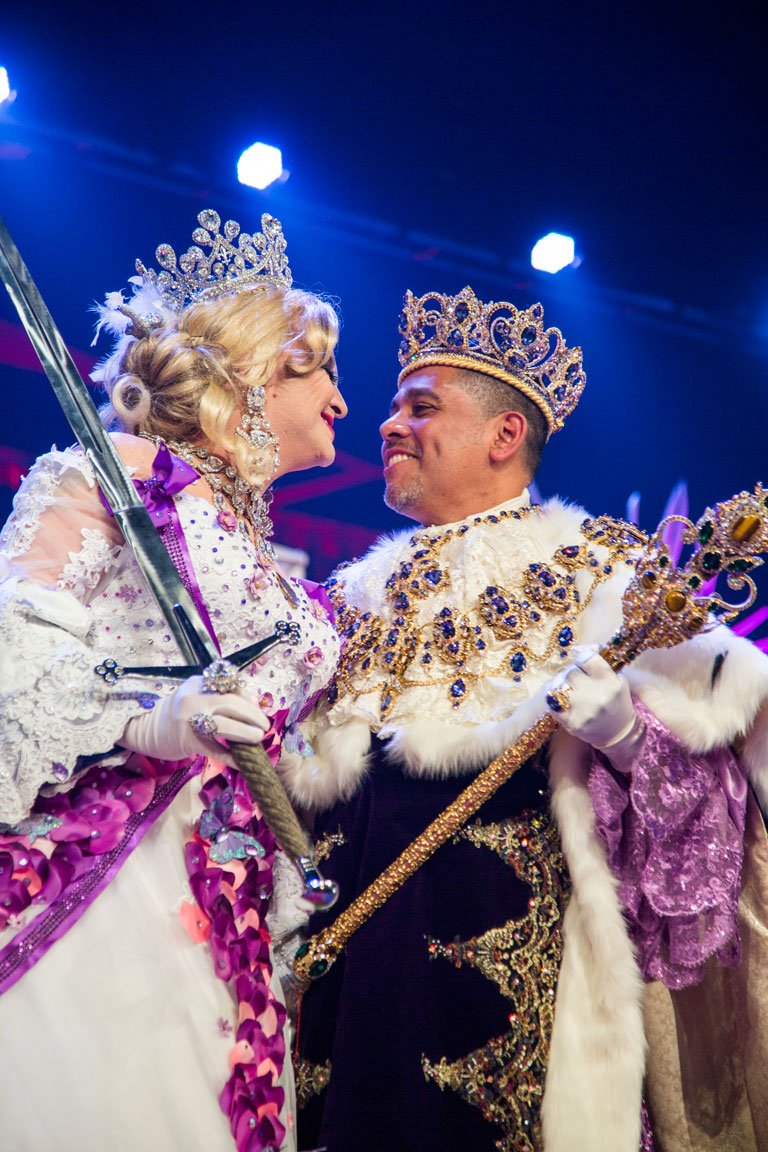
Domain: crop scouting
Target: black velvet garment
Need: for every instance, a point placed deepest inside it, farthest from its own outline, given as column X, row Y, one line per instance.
column 436, row 1031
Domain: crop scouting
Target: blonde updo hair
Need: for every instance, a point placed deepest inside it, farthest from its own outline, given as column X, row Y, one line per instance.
column 186, row 378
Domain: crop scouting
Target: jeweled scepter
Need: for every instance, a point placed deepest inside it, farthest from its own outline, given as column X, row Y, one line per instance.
column 157, row 568
column 663, row 605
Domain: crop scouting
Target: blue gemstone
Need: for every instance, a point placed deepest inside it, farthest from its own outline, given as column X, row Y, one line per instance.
column 527, row 336
column 518, row 662
column 426, row 658
column 455, row 338
column 401, row 602
column 461, row 311
column 480, row 645
column 392, row 636
column 388, row 657
column 458, row 688
column 405, row 569
column 510, row 621
column 366, row 663
column 434, row 576
column 500, row 604
column 571, row 371
column 453, row 648
column 570, row 551
column 553, row 703
column 559, row 593
column 565, row 637
column 420, row 554
column 547, row 579
column 448, row 628
column 444, row 613
column 559, row 393
column 390, row 581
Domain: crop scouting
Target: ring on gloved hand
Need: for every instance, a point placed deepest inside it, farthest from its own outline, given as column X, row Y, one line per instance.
column 558, row 700
column 202, row 724
column 221, row 676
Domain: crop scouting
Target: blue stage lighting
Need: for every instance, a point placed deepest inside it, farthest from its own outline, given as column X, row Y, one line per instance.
column 6, row 95
column 553, row 252
column 260, row 165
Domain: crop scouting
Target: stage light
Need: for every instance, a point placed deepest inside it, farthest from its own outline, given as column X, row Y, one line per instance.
column 553, row 253
column 260, row 165
column 7, row 95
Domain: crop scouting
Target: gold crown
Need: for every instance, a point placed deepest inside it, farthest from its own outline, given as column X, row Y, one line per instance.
column 498, row 340
column 226, row 267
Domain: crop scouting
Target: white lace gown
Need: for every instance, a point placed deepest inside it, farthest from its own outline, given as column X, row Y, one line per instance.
column 120, row 1037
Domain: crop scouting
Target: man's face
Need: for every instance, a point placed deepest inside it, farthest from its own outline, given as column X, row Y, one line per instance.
column 435, row 450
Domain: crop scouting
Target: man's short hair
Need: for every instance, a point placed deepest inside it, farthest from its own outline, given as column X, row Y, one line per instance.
column 493, row 397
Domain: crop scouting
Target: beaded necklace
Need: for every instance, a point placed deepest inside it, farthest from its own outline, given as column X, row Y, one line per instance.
column 233, row 494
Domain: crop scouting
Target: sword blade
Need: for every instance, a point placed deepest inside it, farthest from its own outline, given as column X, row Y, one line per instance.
column 174, row 601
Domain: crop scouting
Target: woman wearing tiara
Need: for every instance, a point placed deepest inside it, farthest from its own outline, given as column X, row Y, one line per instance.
column 157, row 1020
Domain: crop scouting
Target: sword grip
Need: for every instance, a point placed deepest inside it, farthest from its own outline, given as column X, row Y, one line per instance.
column 268, row 792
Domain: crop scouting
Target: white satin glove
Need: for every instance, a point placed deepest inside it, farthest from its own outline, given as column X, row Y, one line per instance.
column 596, row 706
column 191, row 722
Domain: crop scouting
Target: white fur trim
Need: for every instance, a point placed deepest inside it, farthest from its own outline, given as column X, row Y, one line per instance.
column 432, row 748
column 593, row 1089
column 334, row 772
column 676, row 684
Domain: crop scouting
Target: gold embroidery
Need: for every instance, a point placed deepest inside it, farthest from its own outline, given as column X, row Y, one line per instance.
column 505, row 1078
column 326, row 844
column 535, row 620
column 311, row 1080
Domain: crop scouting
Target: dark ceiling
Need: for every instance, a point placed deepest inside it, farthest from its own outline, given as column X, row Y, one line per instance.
column 429, row 145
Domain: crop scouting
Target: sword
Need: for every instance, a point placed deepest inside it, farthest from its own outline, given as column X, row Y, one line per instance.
column 156, row 566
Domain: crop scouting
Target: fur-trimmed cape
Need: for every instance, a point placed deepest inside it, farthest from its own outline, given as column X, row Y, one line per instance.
column 709, row 692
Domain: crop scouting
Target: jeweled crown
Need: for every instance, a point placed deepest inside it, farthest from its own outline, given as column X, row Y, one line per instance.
column 497, row 339
column 226, row 266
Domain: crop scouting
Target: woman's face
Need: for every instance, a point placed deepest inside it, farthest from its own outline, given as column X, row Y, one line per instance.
column 302, row 411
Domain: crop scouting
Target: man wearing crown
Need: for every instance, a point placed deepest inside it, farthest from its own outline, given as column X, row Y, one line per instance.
column 564, row 967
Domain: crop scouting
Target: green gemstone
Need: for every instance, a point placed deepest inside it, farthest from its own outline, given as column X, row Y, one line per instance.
column 663, row 561
column 740, row 565
column 318, row 968
column 710, row 561
column 705, row 532
column 694, row 581
column 302, row 951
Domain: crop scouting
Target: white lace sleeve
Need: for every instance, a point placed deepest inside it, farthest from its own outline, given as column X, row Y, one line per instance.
column 52, row 706
column 58, row 549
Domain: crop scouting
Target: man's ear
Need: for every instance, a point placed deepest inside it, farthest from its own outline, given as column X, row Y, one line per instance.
column 508, row 434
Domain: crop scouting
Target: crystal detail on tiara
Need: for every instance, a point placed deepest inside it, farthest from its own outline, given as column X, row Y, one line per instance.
column 234, row 261
column 508, row 343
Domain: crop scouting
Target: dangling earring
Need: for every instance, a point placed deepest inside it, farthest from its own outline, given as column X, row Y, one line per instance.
column 256, row 430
